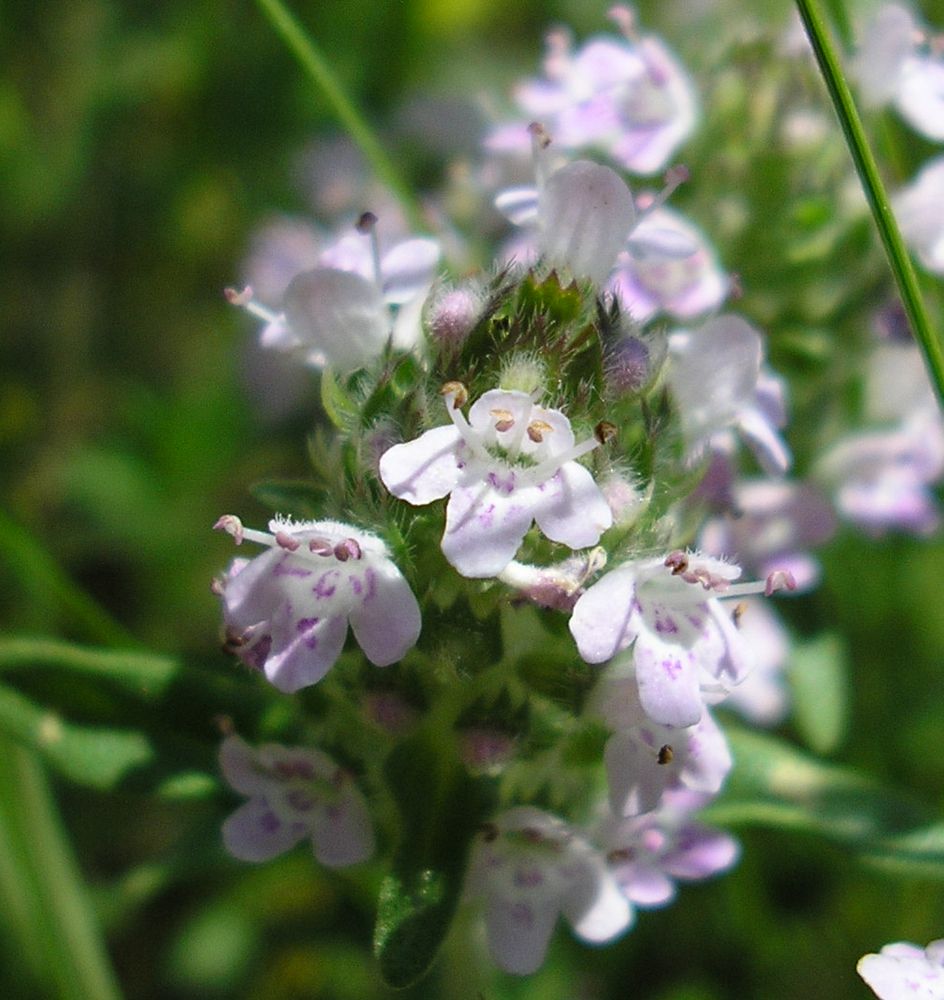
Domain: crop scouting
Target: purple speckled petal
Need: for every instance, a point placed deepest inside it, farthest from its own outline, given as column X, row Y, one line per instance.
column 386, row 620
column 305, row 652
column 255, row 833
column 518, row 933
column 668, row 681
column 485, row 525
column 603, row 621
column 252, row 593
column 343, row 834
column 646, row 884
column 425, row 469
column 700, row 852
column 571, row 507
column 241, row 767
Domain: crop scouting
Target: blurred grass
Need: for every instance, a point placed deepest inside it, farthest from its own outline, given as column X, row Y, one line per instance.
column 142, row 144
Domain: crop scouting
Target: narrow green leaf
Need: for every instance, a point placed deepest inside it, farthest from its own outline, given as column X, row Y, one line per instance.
column 106, row 758
column 340, row 407
column 773, row 784
column 831, row 69
column 320, row 72
column 38, row 571
column 41, row 884
column 441, row 807
column 818, row 677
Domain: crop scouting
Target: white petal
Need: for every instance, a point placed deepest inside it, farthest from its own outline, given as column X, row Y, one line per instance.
column 920, row 97
column 484, row 528
column 668, row 681
column 634, row 775
column 596, row 908
column 240, row 766
column 339, row 313
column 572, row 508
column 762, row 438
column 255, row 833
column 518, row 933
column 346, row 835
column 519, row 205
column 408, row 268
column 586, row 214
column 303, row 654
column 387, row 621
column 425, row 469
column 603, row 622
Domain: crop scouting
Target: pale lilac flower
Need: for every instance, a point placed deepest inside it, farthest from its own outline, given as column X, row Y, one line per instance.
column 669, row 267
column 527, row 867
column 917, row 208
column 629, row 97
column 882, row 479
column 648, row 854
column 770, row 524
column 718, row 383
column 685, row 645
column 287, row 610
column 294, row 793
column 509, row 464
column 903, row 971
column 339, row 312
column 898, row 63
column 582, row 213
column 764, row 697
column 644, row 759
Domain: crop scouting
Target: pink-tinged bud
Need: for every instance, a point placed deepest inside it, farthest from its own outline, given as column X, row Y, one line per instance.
column 780, row 579
column 628, row 366
column 231, row 524
column 485, row 749
column 452, row 316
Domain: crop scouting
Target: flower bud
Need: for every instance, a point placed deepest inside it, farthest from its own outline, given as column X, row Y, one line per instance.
column 628, row 366
column 452, row 315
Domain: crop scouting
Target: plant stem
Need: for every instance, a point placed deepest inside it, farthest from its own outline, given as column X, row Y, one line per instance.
column 316, row 66
column 898, row 258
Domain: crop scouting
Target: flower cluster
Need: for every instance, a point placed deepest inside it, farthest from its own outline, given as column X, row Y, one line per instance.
column 575, row 458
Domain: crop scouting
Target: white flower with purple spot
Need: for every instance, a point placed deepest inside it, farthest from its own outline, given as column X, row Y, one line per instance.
column 903, row 971
column 668, row 267
column 294, row 793
column 287, row 610
column 718, row 384
column 648, row 854
column 509, row 464
column 341, row 312
column 685, row 646
column 527, row 867
column 643, row 759
column 628, row 97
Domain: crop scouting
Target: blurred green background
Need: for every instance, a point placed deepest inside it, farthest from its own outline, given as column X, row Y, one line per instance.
column 142, row 144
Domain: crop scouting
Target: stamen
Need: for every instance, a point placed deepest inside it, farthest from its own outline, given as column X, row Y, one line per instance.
column 537, row 429
column 453, row 392
column 504, row 420
column 287, row 542
column 367, row 225
column 780, row 579
column 540, row 140
column 231, row 524
column 347, row 549
column 543, row 471
column 666, row 754
column 674, row 178
column 245, row 300
column 738, row 613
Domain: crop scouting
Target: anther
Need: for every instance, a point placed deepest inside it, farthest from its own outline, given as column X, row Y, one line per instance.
column 677, row 562
column 287, row 542
column 504, row 421
column 537, row 429
column 459, row 393
column 231, row 524
column 237, row 298
column 320, row 547
column 666, row 754
column 539, row 135
column 738, row 613
column 365, row 222
column 346, row 549
column 780, row 579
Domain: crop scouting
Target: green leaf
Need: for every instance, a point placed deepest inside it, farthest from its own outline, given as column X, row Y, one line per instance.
column 107, row 758
column 818, row 677
column 441, row 808
column 41, row 888
column 773, row 784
